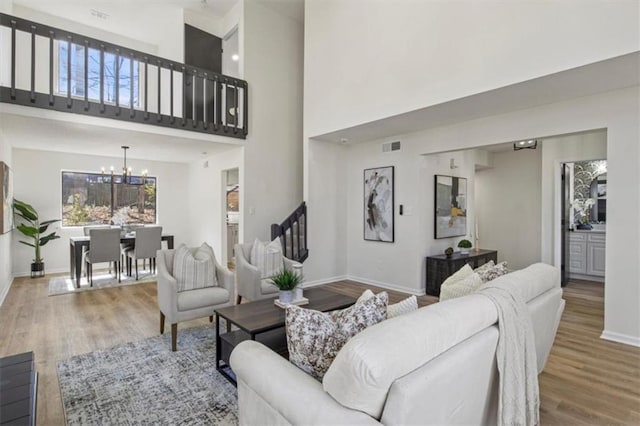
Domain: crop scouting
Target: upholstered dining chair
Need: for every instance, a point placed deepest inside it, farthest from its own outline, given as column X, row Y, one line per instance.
column 86, row 230
column 178, row 306
column 147, row 243
column 104, row 247
column 250, row 285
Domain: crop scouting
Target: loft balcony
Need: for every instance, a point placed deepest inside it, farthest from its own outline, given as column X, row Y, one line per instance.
column 50, row 68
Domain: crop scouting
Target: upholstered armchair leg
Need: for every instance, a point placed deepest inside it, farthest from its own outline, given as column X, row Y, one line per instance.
column 118, row 272
column 211, row 318
column 174, row 337
column 238, row 299
column 161, row 323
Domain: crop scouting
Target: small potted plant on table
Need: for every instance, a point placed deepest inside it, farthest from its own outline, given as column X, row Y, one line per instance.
column 286, row 281
column 464, row 246
column 35, row 230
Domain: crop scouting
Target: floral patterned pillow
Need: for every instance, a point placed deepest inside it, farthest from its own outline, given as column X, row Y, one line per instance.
column 314, row 338
column 491, row 272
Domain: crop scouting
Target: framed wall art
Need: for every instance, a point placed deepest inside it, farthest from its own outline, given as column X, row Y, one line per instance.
column 450, row 206
column 6, row 186
column 378, row 204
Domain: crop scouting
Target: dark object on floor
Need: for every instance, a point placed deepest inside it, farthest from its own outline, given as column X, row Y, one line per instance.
column 18, row 389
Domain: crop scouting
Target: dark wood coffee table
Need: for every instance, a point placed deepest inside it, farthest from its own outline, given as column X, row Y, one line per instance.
column 263, row 321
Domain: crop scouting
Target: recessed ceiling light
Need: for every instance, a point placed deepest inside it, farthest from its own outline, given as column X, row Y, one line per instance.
column 530, row 144
column 235, row 57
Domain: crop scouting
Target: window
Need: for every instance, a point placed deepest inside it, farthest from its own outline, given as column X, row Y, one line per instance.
column 126, row 79
column 94, row 198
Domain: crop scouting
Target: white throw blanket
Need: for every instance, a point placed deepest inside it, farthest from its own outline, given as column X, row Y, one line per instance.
column 519, row 398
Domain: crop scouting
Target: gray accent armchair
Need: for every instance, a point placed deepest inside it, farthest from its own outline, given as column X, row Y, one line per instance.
column 249, row 283
column 181, row 306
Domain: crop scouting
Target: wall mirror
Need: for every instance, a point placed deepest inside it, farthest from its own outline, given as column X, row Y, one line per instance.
column 598, row 192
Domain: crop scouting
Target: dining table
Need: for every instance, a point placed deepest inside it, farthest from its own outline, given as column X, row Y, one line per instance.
column 78, row 244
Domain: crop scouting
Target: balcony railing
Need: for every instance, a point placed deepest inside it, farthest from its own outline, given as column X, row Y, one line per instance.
column 102, row 79
column 293, row 234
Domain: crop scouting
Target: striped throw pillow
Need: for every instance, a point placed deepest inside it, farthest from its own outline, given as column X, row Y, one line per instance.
column 194, row 270
column 267, row 257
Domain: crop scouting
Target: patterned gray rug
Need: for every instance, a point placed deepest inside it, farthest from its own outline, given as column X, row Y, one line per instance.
column 144, row 382
column 101, row 279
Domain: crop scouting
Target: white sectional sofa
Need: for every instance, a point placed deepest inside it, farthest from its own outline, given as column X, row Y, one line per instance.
column 436, row 365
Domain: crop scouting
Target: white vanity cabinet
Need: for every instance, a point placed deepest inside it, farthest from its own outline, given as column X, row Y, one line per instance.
column 587, row 255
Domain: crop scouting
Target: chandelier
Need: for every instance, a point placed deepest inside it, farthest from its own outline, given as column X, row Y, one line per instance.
column 126, row 171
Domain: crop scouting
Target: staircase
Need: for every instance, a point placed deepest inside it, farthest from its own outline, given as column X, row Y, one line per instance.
column 293, row 234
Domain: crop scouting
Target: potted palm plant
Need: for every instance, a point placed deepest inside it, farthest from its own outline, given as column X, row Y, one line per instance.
column 35, row 230
column 286, row 281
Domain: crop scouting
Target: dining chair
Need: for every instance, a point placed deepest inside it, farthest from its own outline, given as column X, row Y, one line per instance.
column 104, row 247
column 147, row 243
column 124, row 247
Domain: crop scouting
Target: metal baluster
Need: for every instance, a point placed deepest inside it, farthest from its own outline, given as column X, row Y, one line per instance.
column 146, row 87
column 193, row 100
column 102, row 78
column 117, row 82
column 69, row 101
column 184, row 96
column 171, row 93
column 216, row 104
column 235, row 107
column 131, row 111
column 204, row 101
column 51, row 98
column 225, row 128
column 13, row 59
column 245, row 108
column 86, row 75
column 159, row 89
column 33, row 63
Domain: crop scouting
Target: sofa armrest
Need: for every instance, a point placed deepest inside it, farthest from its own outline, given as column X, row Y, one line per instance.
column 289, row 391
column 292, row 265
column 225, row 278
column 167, row 290
column 247, row 277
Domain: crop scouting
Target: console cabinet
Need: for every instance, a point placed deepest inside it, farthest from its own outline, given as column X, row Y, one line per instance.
column 587, row 255
column 440, row 267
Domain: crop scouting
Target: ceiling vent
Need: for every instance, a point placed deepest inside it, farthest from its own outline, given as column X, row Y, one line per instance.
column 391, row 146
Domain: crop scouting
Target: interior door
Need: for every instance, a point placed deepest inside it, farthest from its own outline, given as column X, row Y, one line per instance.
column 202, row 50
column 564, row 224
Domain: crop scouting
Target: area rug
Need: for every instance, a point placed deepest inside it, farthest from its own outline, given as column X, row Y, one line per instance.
column 101, row 279
column 145, row 383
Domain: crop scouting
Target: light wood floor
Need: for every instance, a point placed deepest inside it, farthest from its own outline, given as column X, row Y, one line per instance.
column 587, row 380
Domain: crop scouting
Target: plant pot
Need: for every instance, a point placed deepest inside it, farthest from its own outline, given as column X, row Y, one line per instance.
column 286, row 296
column 37, row 269
column 464, row 250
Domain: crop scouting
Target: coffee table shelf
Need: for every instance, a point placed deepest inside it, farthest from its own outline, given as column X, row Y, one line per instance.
column 264, row 322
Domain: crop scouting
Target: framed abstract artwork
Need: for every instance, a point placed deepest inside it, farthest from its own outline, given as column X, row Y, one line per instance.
column 378, row 204
column 450, row 206
column 6, row 185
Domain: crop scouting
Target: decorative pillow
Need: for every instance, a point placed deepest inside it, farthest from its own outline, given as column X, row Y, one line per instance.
column 492, row 272
column 403, row 307
column 484, row 268
column 459, row 275
column 267, row 257
column 460, row 288
column 314, row 338
column 194, row 270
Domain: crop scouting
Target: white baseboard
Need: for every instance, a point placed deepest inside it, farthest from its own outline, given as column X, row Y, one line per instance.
column 385, row 285
column 620, row 338
column 47, row 271
column 5, row 291
column 307, row 284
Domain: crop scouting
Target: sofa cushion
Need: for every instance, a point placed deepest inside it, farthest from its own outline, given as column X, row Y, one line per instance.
column 199, row 298
column 460, row 287
column 267, row 257
column 489, row 271
column 193, row 270
column 364, row 370
column 314, row 338
column 405, row 306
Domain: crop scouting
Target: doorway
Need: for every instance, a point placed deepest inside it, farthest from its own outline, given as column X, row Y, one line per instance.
column 232, row 212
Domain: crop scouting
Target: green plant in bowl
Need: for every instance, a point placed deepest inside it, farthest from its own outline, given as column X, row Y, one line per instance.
column 465, row 244
column 286, row 280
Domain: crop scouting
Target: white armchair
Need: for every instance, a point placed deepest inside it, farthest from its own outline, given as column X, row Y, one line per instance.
column 177, row 306
column 249, row 284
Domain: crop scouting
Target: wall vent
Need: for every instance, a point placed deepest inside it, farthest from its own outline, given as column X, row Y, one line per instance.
column 391, row 146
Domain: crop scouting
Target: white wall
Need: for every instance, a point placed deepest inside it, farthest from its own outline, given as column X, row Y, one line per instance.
column 37, row 180
column 6, row 276
column 616, row 111
column 207, row 200
column 273, row 56
column 366, row 60
column 508, row 198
